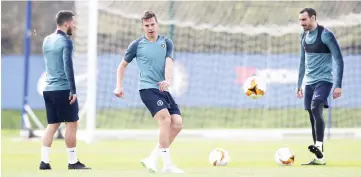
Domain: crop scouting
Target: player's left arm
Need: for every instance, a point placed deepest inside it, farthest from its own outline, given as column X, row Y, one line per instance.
column 68, row 68
column 168, row 73
column 329, row 39
column 168, row 70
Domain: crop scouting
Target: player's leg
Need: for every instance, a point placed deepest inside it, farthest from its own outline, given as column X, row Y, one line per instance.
column 317, row 109
column 309, row 92
column 166, row 134
column 319, row 101
column 157, row 103
column 69, row 114
column 312, row 121
column 309, row 89
column 163, row 119
column 175, row 127
column 153, row 100
column 317, row 148
column 46, row 145
column 53, row 125
column 176, row 118
column 70, row 141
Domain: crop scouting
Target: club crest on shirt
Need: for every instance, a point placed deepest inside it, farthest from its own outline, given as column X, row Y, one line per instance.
column 159, row 102
column 163, row 45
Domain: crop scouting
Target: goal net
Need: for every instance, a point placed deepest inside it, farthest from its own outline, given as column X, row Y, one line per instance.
column 217, row 46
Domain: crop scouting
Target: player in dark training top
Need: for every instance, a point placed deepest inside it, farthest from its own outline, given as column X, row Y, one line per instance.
column 318, row 46
column 154, row 56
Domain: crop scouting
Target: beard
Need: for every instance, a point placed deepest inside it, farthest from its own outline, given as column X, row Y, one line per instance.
column 306, row 27
column 69, row 31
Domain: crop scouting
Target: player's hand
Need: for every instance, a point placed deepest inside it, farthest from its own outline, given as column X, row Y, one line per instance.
column 299, row 93
column 72, row 98
column 119, row 92
column 163, row 85
column 337, row 93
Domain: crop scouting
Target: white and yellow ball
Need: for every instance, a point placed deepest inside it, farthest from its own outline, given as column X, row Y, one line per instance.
column 284, row 157
column 218, row 157
column 254, row 87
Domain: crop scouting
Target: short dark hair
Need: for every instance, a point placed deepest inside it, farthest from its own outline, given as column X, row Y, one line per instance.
column 310, row 12
column 148, row 15
column 64, row 16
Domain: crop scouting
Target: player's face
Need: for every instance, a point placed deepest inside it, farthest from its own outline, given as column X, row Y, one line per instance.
column 150, row 27
column 70, row 26
column 306, row 21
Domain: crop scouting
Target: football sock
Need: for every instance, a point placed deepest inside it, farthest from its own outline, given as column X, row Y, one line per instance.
column 155, row 153
column 45, row 151
column 165, row 154
column 312, row 120
column 319, row 145
column 316, row 109
column 72, row 159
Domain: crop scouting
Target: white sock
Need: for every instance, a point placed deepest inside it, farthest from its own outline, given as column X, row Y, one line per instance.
column 155, row 153
column 319, row 145
column 165, row 154
column 45, row 151
column 72, row 158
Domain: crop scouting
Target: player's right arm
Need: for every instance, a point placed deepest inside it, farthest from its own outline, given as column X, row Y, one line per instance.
column 301, row 70
column 120, row 75
column 130, row 54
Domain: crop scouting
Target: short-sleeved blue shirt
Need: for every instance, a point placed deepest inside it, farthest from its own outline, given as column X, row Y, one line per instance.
column 150, row 57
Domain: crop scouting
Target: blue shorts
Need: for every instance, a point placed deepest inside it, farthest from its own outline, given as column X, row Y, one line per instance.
column 58, row 107
column 318, row 91
column 156, row 100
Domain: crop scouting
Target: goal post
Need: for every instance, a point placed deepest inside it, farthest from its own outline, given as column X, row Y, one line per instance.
column 92, row 70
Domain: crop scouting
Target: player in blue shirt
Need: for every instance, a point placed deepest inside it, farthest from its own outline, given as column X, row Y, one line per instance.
column 60, row 93
column 318, row 46
column 154, row 56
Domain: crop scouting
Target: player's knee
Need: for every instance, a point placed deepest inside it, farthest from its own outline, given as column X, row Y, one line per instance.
column 177, row 124
column 71, row 126
column 164, row 119
column 316, row 109
column 316, row 106
column 52, row 128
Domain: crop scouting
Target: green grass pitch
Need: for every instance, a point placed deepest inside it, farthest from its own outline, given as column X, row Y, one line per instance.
column 195, row 118
column 122, row 158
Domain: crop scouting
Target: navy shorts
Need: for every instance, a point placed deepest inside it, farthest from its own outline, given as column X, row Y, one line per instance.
column 58, row 107
column 156, row 100
column 318, row 91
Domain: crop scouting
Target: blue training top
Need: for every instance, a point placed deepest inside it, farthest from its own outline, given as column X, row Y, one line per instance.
column 150, row 57
column 317, row 48
column 58, row 53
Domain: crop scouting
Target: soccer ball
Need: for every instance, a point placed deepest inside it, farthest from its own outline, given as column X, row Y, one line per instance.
column 254, row 87
column 218, row 157
column 284, row 157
